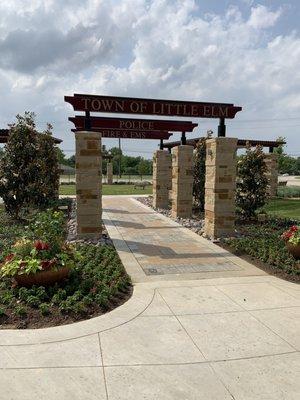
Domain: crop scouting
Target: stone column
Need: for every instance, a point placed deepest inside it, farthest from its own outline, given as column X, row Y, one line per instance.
column 88, row 184
column 220, row 184
column 162, row 178
column 182, row 181
column 109, row 173
column 271, row 161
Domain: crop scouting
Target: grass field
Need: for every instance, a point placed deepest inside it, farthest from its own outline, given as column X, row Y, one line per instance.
column 71, row 178
column 285, row 208
column 109, row 189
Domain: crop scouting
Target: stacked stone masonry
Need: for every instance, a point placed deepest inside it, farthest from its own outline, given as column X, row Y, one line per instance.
column 182, row 181
column 88, row 184
column 109, row 173
column 220, row 184
column 271, row 161
column 162, row 178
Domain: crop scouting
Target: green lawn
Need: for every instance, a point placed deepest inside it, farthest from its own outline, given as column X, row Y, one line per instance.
column 109, row 189
column 286, row 208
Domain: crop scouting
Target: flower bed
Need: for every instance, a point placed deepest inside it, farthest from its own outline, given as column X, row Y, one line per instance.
column 85, row 280
column 263, row 243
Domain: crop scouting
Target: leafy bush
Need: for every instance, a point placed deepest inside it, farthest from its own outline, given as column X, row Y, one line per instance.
column 44, row 309
column 20, row 311
column 263, row 242
column 251, row 191
column 28, row 167
column 97, row 277
column 288, row 191
column 199, row 174
column 48, row 226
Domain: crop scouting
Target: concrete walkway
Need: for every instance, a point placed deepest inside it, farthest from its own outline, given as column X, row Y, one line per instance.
column 223, row 330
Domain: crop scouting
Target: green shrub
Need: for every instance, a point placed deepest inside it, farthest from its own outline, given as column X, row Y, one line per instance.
column 20, row 311
column 28, row 167
column 44, row 309
column 264, row 243
column 97, row 278
column 2, row 312
column 33, row 301
column 251, row 189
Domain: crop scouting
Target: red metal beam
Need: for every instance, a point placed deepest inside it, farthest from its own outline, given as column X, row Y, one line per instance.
column 131, row 134
column 136, row 124
column 128, row 105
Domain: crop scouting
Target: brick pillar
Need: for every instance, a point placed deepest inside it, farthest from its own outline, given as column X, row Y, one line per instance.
column 162, row 178
column 88, row 184
column 220, row 184
column 271, row 161
column 109, row 173
column 182, row 181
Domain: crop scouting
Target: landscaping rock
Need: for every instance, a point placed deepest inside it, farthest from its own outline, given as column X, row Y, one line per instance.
column 195, row 224
column 104, row 239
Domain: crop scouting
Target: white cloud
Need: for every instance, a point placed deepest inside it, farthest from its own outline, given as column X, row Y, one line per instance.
column 158, row 48
column 261, row 17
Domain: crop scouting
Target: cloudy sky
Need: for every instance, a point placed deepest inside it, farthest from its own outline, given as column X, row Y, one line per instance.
column 242, row 51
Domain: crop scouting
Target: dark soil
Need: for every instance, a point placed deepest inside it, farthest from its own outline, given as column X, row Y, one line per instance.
column 34, row 319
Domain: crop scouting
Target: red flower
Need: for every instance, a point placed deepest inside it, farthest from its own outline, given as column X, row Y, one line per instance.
column 9, row 257
column 294, row 228
column 39, row 245
column 23, row 265
column 47, row 264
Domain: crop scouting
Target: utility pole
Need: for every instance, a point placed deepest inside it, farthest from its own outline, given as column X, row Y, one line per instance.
column 119, row 157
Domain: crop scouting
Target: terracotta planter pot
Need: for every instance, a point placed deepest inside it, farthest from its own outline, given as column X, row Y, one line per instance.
column 43, row 278
column 294, row 250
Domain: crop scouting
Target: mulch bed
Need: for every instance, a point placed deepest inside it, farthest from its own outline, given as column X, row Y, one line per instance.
column 34, row 320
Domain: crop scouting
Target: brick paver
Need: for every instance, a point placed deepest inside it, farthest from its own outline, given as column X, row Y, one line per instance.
column 161, row 247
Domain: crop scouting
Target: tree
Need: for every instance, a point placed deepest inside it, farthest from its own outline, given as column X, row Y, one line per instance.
column 18, row 175
column 61, row 157
column 143, row 168
column 199, row 174
column 71, row 161
column 48, row 170
column 28, row 168
column 252, row 182
column 286, row 164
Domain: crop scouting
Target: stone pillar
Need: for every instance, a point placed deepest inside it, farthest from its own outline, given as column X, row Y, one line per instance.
column 162, row 178
column 271, row 161
column 109, row 173
column 182, row 181
column 88, row 184
column 220, row 184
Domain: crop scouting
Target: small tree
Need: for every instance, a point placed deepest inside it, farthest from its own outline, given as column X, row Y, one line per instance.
column 48, row 170
column 143, row 168
column 199, row 172
column 252, row 182
column 28, row 164
column 18, row 169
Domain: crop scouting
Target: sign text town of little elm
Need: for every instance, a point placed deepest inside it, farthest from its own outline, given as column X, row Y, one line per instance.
column 84, row 102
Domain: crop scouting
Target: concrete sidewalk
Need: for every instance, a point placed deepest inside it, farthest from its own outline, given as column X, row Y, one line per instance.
column 231, row 333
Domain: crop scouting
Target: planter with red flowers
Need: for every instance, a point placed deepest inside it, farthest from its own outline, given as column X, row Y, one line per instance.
column 292, row 240
column 41, row 257
column 38, row 263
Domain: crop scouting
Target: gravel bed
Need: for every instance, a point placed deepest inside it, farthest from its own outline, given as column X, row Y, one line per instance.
column 195, row 224
column 71, row 231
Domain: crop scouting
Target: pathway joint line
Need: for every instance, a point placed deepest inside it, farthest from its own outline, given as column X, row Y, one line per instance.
column 103, row 369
